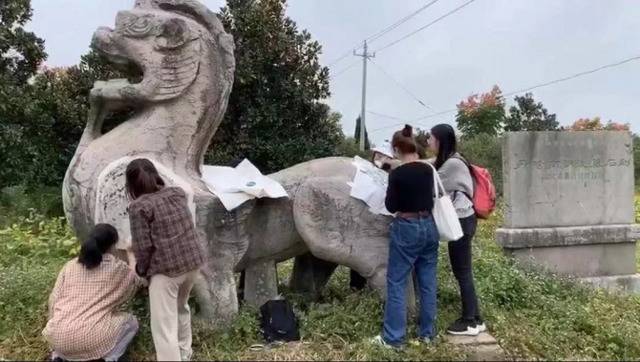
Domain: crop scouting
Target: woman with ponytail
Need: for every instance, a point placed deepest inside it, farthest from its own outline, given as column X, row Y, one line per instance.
column 84, row 318
column 457, row 180
column 413, row 243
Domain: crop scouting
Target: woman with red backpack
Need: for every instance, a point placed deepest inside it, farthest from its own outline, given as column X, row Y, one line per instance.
column 458, row 181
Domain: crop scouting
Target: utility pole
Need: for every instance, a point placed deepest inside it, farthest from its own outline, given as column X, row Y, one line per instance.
column 365, row 56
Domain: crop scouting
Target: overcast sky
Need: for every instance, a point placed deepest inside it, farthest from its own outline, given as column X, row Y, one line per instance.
column 512, row 43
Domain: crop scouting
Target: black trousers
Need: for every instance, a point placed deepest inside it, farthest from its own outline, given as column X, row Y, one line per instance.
column 460, row 258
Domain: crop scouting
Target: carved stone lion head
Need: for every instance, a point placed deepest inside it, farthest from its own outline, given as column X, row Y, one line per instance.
column 165, row 41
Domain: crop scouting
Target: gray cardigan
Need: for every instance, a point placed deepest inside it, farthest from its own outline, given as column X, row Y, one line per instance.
column 455, row 176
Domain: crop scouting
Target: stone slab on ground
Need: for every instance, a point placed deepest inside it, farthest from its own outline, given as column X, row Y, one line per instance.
column 617, row 283
column 483, row 347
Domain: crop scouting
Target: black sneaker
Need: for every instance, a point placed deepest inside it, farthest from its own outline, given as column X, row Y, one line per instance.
column 463, row 327
column 480, row 325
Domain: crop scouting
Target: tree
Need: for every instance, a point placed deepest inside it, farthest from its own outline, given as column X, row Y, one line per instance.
column 485, row 150
column 42, row 121
column 527, row 115
column 617, row 126
column 481, row 114
column 349, row 147
column 356, row 135
column 595, row 124
column 21, row 52
column 275, row 116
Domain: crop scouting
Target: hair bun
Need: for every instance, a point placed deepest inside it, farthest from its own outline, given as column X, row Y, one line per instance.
column 407, row 131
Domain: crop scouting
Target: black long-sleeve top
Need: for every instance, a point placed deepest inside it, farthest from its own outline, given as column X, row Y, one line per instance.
column 410, row 188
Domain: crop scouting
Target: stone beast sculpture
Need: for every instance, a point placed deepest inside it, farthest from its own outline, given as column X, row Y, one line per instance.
column 186, row 62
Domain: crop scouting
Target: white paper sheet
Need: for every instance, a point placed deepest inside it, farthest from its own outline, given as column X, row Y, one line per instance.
column 384, row 149
column 370, row 185
column 235, row 186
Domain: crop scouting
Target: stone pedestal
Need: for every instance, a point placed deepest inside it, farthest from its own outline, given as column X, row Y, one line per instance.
column 585, row 251
column 569, row 203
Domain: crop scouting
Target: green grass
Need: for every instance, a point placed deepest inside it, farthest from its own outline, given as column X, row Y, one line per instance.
column 533, row 315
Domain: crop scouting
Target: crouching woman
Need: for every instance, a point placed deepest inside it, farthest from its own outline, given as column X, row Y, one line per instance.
column 84, row 318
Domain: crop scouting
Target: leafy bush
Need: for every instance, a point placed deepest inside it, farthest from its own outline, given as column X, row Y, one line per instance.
column 486, row 151
column 20, row 201
column 36, row 237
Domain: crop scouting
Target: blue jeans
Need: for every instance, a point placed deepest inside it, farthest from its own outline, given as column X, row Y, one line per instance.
column 414, row 243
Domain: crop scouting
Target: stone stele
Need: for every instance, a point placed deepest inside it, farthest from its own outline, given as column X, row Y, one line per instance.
column 187, row 62
column 569, row 203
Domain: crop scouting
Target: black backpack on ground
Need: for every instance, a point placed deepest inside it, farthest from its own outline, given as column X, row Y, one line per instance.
column 278, row 322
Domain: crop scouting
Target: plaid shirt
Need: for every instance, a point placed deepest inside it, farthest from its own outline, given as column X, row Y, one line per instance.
column 84, row 317
column 164, row 239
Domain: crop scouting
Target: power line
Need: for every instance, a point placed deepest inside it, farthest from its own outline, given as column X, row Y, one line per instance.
column 414, row 120
column 426, row 26
column 400, row 22
column 587, row 72
column 333, row 76
column 382, row 32
column 343, row 56
column 401, row 86
column 435, row 114
column 545, row 84
column 384, row 115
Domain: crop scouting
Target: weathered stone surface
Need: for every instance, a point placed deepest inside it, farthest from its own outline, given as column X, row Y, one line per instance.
column 487, row 352
column 261, row 283
column 319, row 217
column 629, row 283
column 582, row 260
column 482, row 347
column 567, row 236
column 188, row 73
column 480, row 339
column 569, row 201
column 568, row 179
column 187, row 63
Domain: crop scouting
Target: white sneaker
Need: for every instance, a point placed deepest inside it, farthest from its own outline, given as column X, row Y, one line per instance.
column 379, row 341
column 463, row 327
column 481, row 327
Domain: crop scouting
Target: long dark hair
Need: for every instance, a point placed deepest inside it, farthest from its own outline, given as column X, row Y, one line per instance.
column 100, row 240
column 142, row 178
column 446, row 136
column 404, row 141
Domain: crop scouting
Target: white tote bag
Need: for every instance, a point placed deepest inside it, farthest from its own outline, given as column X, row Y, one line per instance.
column 444, row 213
